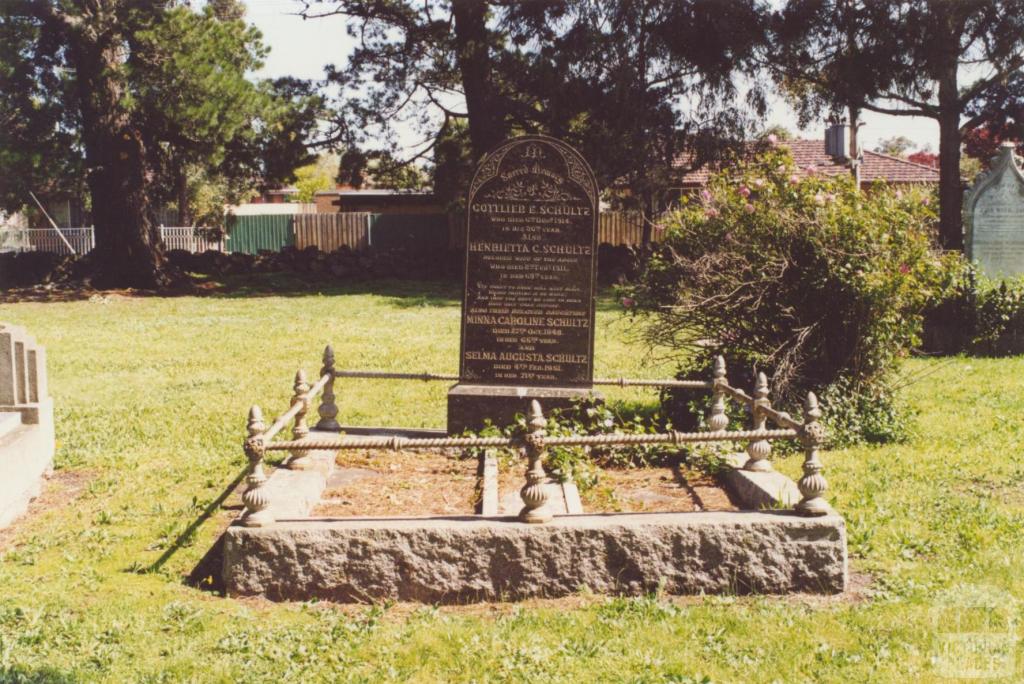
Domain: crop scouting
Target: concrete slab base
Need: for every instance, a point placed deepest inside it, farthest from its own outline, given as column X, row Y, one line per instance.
column 494, row 557
column 26, row 457
column 474, row 558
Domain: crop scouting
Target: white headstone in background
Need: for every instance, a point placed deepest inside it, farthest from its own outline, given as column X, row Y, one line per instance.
column 994, row 217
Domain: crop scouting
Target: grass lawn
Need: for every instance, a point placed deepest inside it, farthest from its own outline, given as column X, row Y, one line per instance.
column 151, row 397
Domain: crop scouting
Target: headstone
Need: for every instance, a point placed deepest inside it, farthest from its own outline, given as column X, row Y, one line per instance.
column 528, row 304
column 994, row 217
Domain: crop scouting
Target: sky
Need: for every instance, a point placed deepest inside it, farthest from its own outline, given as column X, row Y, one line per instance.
column 301, row 48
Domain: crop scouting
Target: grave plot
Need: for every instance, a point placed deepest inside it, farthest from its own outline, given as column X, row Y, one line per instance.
column 413, row 524
column 402, row 515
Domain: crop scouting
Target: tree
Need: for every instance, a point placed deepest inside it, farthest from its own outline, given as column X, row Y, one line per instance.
column 137, row 94
column 895, row 146
column 316, row 176
column 908, row 58
column 632, row 83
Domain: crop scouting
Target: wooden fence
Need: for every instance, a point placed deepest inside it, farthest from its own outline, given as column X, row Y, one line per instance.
column 330, row 232
column 620, row 228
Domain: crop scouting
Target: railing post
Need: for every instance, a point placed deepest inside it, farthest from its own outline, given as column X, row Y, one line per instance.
column 760, row 449
column 328, row 409
column 813, row 484
column 255, row 497
column 717, row 420
column 534, row 493
column 300, row 459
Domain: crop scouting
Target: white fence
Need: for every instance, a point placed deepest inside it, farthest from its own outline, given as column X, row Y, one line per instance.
column 185, row 238
column 82, row 240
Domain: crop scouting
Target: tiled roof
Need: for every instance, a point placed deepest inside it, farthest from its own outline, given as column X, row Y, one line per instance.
column 810, row 154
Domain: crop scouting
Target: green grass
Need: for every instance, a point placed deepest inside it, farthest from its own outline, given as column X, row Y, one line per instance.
column 151, row 399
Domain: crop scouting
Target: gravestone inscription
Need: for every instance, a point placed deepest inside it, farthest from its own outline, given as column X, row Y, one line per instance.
column 528, row 306
column 994, row 217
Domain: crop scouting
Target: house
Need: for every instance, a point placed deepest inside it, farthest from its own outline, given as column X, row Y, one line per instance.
column 378, row 201
column 276, row 196
column 827, row 157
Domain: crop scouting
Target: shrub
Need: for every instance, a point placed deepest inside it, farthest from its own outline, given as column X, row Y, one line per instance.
column 588, row 417
column 979, row 316
column 816, row 283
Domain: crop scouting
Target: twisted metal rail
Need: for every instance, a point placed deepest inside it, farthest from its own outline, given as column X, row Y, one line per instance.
column 431, row 377
column 808, row 431
column 409, row 443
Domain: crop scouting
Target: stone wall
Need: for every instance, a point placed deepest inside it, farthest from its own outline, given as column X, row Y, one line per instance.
column 26, row 421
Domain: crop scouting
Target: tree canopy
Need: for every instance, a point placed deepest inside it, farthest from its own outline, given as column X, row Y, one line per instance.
column 930, row 58
column 632, row 83
column 136, row 98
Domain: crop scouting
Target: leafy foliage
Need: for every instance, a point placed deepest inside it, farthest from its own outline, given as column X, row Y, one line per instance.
column 631, row 84
column 912, row 57
column 582, row 464
column 803, row 277
column 145, row 102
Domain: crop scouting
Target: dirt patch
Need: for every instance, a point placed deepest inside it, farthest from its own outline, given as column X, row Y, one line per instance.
column 647, row 490
column 388, row 483
column 60, row 489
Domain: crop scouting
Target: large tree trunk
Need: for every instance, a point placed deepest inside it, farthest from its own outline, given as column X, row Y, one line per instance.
column 950, row 188
column 128, row 252
column 486, row 127
column 184, row 206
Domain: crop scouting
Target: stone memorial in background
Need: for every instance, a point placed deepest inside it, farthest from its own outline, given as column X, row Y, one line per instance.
column 528, row 303
column 994, row 217
column 26, row 421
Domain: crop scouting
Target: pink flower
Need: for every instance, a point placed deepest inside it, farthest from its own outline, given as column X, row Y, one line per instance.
column 899, row 194
column 780, row 168
column 660, row 227
column 772, row 138
column 711, row 212
column 904, row 269
column 744, row 191
column 811, row 169
column 705, row 195
column 628, row 302
column 749, row 208
column 794, row 179
column 926, row 201
column 759, row 182
column 819, row 199
column 831, row 196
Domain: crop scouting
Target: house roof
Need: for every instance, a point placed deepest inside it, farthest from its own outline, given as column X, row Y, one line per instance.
column 376, row 192
column 810, row 157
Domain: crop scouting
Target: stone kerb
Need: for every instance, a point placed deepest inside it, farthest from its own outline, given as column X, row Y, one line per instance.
column 26, row 421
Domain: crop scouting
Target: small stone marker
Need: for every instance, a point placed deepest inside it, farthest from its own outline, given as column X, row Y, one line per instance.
column 994, row 217
column 528, row 305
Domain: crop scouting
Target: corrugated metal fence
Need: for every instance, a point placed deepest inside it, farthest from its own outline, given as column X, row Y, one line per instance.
column 252, row 234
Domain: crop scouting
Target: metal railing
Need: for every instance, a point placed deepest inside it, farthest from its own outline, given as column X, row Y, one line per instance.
column 808, row 431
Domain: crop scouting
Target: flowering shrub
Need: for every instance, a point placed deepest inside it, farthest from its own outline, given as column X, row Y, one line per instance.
column 805, row 277
column 979, row 316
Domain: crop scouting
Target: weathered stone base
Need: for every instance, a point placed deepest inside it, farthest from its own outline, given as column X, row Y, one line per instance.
column 26, row 456
column 474, row 558
column 469, row 406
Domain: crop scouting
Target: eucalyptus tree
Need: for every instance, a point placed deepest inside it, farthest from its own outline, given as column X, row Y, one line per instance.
column 123, row 94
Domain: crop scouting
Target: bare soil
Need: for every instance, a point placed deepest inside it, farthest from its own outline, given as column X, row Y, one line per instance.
column 405, row 483
column 647, row 490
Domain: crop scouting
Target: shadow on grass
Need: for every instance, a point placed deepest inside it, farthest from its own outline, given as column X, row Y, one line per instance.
column 41, row 675
column 406, row 293
column 206, row 574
